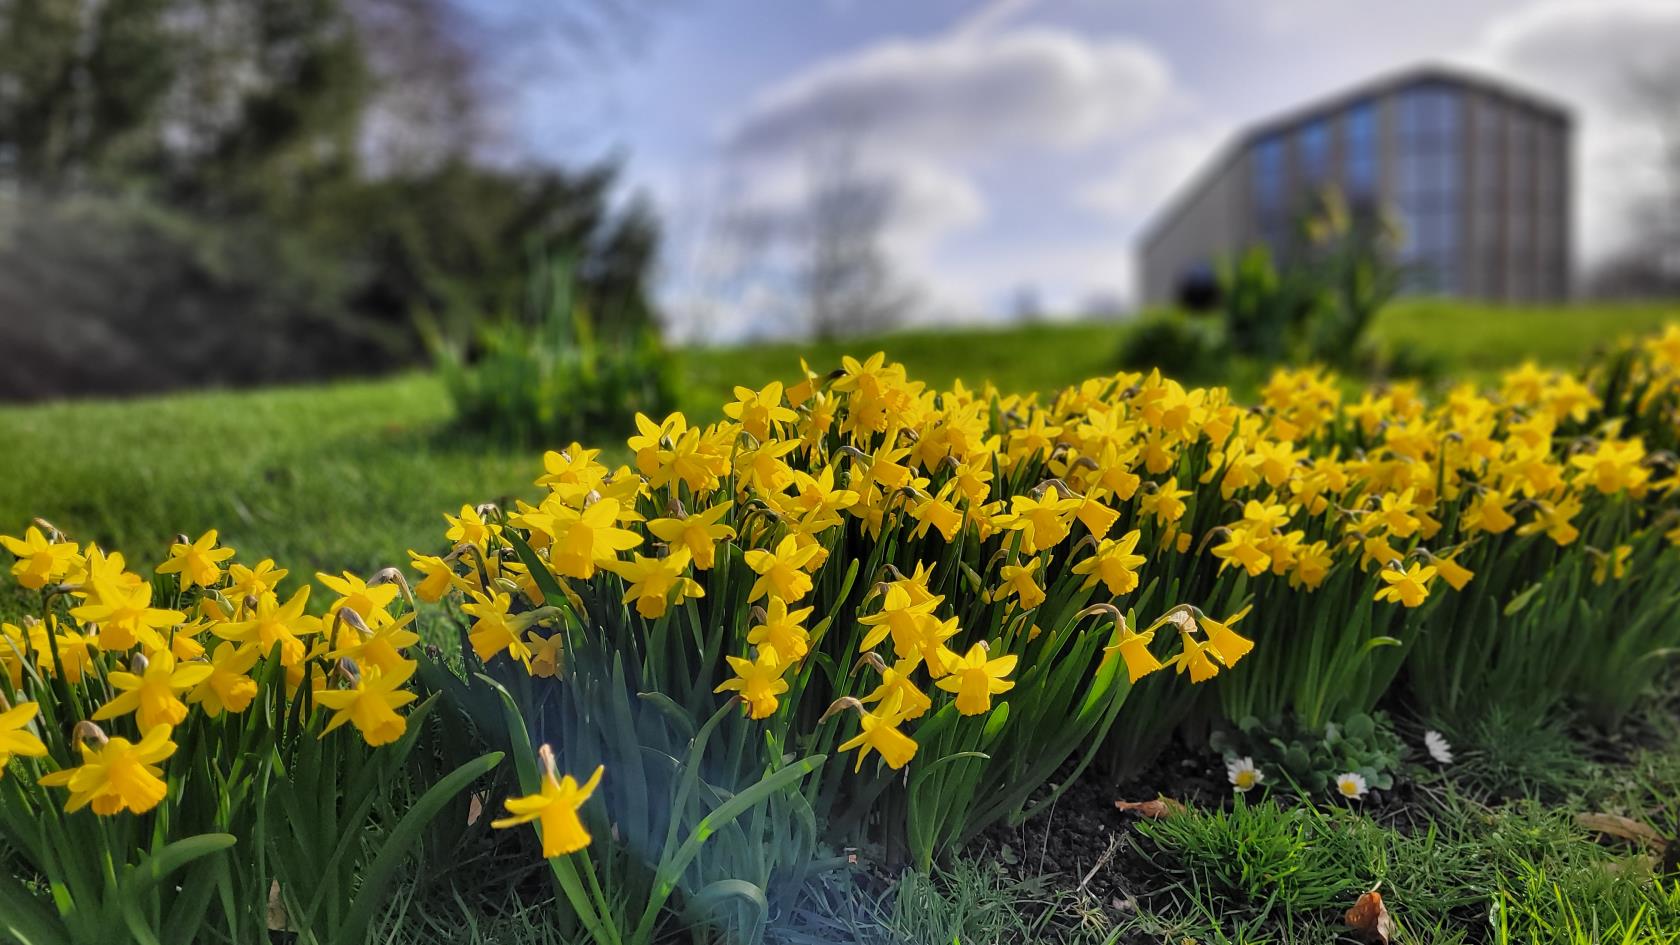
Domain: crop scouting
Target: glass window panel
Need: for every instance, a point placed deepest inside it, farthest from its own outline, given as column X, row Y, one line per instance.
column 1313, row 145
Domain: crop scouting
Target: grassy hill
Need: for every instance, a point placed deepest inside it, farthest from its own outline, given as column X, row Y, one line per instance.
column 350, row 475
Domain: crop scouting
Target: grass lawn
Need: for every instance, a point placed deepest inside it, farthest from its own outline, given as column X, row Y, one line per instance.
column 350, row 475
column 1474, row 339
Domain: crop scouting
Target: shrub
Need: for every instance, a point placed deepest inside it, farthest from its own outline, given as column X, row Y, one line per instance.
column 1174, row 343
column 546, row 377
column 1318, row 302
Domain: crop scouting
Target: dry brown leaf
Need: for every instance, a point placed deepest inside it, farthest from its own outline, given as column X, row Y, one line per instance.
column 1369, row 918
column 1156, row 809
column 1624, row 828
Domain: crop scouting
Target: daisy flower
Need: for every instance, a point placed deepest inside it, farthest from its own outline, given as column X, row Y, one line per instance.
column 1243, row 774
column 1351, row 785
column 1436, row 744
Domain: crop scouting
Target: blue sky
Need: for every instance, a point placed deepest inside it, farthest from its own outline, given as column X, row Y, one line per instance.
column 1027, row 142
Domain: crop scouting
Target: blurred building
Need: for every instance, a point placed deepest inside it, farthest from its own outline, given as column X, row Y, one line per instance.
column 1475, row 173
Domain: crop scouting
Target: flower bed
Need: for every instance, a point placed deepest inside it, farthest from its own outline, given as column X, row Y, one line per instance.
column 856, row 619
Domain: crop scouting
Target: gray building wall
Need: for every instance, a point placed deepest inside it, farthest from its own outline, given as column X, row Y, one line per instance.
column 1213, row 222
column 1477, row 175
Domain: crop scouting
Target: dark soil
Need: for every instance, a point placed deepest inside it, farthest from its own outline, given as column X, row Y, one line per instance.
column 1085, row 843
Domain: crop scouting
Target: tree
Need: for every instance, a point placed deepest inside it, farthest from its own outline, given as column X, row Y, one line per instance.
column 849, row 283
column 1651, row 263
column 250, row 190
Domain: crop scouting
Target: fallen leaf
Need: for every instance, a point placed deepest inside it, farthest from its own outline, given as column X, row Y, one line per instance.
column 1156, row 809
column 1624, row 828
column 277, row 920
column 1369, row 918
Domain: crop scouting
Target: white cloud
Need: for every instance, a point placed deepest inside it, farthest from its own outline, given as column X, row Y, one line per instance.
column 1148, row 176
column 964, row 95
column 990, row 16
column 1593, row 44
column 924, row 119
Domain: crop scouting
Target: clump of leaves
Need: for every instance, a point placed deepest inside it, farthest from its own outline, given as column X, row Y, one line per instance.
column 1508, row 754
column 1287, row 752
column 1257, row 856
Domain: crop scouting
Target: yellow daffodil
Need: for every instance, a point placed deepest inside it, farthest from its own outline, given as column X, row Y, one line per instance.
column 1019, row 581
column 494, row 629
column 781, row 572
column 896, row 682
column 1096, row 516
column 272, row 624
column 16, row 735
column 900, row 615
column 546, row 653
column 469, row 527
column 1554, row 519
column 1394, row 513
column 656, row 583
column 584, row 540
column 115, row 774
column 760, row 412
column 975, row 679
column 367, row 600
column 198, row 562
column 1614, row 465
column 1456, row 575
column 40, row 561
column 758, row 681
column 1242, row 549
column 1612, row 565
column 254, row 581
column 1194, row 657
column 878, row 732
column 382, row 647
column 371, row 703
column 124, row 616
column 152, row 691
column 1409, row 587
column 1133, row 648
column 783, row 630
column 1166, row 502
column 437, row 577
column 554, row 808
column 698, row 533
column 228, row 687
column 1226, row 645
column 938, row 512
column 1043, row 523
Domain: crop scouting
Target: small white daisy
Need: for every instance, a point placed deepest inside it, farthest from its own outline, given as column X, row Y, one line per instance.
column 1243, row 774
column 1437, row 746
column 1351, row 785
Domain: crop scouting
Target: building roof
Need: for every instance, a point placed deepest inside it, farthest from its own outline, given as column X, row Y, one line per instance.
column 1385, row 84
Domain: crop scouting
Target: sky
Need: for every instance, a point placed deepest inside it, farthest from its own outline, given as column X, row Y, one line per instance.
column 1027, row 143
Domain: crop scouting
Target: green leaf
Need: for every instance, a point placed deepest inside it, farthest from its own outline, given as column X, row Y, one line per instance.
column 706, row 904
column 25, row 919
column 545, row 580
column 1359, row 726
column 376, row 879
column 157, row 867
column 721, row 816
column 1520, row 601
